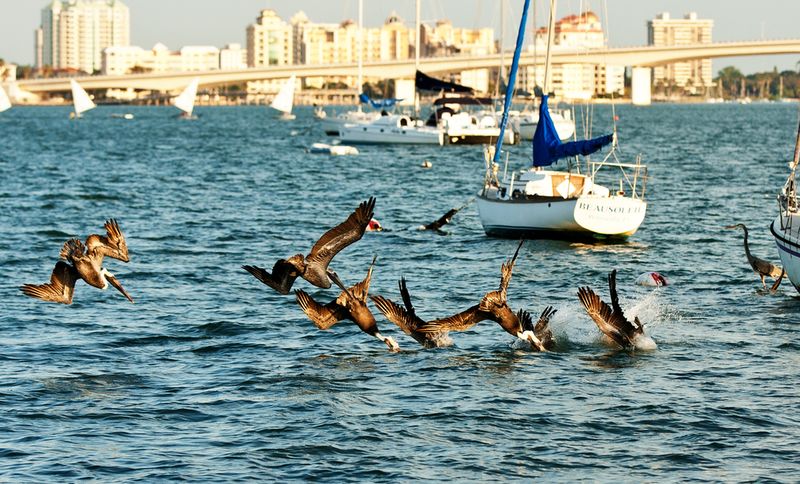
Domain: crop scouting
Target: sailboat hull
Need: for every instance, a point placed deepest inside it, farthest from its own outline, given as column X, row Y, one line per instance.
column 586, row 216
column 786, row 231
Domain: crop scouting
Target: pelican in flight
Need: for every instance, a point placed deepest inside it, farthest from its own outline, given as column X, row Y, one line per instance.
column 436, row 332
column 84, row 261
column 611, row 320
column 351, row 304
column 444, row 219
column 314, row 266
column 761, row 267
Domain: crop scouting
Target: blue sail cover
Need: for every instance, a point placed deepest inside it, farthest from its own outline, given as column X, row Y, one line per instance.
column 547, row 146
column 378, row 103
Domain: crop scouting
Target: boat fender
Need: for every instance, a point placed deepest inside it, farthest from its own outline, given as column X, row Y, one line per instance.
column 516, row 194
column 652, row 279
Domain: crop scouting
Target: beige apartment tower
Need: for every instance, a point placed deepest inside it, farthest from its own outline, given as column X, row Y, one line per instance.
column 692, row 76
column 74, row 33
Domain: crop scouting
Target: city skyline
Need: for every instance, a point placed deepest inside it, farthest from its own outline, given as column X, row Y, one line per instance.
column 166, row 22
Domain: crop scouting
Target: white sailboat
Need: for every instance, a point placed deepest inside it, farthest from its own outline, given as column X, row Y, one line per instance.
column 80, row 100
column 285, row 99
column 5, row 102
column 541, row 202
column 786, row 226
column 185, row 100
column 391, row 129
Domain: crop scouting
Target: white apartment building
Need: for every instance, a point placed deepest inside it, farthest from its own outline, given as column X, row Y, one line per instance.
column 119, row 60
column 691, row 75
column 74, row 33
column 232, row 57
column 576, row 81
column 269, row 41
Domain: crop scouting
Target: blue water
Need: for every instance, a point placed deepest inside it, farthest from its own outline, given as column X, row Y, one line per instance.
column 211, row 376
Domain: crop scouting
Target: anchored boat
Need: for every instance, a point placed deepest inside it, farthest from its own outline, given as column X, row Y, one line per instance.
column 537, row 201
column 786, row 226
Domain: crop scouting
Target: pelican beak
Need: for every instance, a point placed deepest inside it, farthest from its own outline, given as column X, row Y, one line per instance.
column 114, row 282
column 391, row 344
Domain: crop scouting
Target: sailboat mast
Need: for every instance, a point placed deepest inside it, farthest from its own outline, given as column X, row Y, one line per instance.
column 502, row 42
column 360, row 81
column 417, row 48
column 550, row 28
column 512, row 78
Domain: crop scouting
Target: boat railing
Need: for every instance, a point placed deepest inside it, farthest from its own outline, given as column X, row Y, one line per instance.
column 634, row 175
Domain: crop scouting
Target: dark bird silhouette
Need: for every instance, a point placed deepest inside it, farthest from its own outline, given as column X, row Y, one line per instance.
column 83, row 262
column 436, row 332
column 761, row 267
column 314, row 266
column 351, row 304
column 541, row 329
column 444, row 219
column 611, row 320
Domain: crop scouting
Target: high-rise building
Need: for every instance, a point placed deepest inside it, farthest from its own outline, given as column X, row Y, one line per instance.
column 665, row 31
column 74, row 33
column 576, row 81
column 443, row 39
column 119, row 60
column 269, row 41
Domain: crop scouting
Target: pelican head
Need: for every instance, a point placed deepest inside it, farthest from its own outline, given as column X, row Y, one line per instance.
column 109, row 278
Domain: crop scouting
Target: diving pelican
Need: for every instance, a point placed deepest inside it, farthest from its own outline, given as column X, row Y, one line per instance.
column 314, row 266
column 83, row 261
column 541, row 329
column 761, row 267
column 436, row 334
column 351, row 304
column 444, row 219
column 611, row 320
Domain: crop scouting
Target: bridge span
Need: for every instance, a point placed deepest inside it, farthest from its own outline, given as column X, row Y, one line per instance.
column 641, row 59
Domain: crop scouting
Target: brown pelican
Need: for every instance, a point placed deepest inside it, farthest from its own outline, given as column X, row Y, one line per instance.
column 444, row 219
column 314, row 266
column 611, row 320
column 542, row 328
column 351, row 304
column 761, row 267
column 83, row 262
column 436, row 332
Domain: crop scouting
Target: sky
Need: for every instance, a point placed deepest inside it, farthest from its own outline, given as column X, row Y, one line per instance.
column 177, row 23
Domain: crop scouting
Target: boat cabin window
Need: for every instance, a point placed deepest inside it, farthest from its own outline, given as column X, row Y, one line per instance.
column 403, row 122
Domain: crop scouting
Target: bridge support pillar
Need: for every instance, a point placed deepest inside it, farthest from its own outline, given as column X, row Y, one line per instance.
column 641, row 80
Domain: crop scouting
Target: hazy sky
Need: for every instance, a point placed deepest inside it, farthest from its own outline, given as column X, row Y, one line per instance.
column 218, row 22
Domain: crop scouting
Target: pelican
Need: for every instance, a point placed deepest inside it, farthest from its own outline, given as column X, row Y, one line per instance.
column 542, row 328
column 761, row 267
column 411, row 324
column 611, row 320
column 83, row 261
column 444, row 219
column 314, row 267
column 351, row 304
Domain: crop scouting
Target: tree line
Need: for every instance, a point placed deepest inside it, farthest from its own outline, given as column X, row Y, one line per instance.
column 731, row 83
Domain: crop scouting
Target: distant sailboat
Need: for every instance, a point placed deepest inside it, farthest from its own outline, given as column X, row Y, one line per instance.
column 285, row 99
column 5, row 102
column 81, row 101
column 185, row 101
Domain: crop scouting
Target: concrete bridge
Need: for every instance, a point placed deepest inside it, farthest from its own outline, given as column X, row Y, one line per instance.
column 641, row 59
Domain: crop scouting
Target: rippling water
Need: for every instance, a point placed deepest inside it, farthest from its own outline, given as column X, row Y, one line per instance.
column 213, row 376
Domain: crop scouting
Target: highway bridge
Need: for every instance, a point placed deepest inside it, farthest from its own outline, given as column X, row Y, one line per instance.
column 640, row 59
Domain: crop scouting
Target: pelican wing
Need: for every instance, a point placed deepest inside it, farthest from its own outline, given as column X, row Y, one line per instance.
column 361, row 289
column 323, row 317
column 344, row 234
column 405, row 320
column 282, row 277
column 542, row 328
column 506, row 269
column 112, row 245
column 457, row 322
column 61, row 286
column 609, row 322
column 441, row 221
column 73, row 250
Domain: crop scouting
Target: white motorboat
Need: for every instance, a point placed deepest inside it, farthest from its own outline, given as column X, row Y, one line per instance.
column 5, row 102
column 80, row 100
column 463, row 126
column 786, row 226
column 525, row 123
column 538, row 201
column 185, row 100
column 391, row 129
column 332, row 124
column 284, row 100
column 335, row 150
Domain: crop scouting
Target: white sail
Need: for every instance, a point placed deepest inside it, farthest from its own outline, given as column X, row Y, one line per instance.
column 285, row 98
column 185, row 101
column 5, row 103
column 80, row 99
